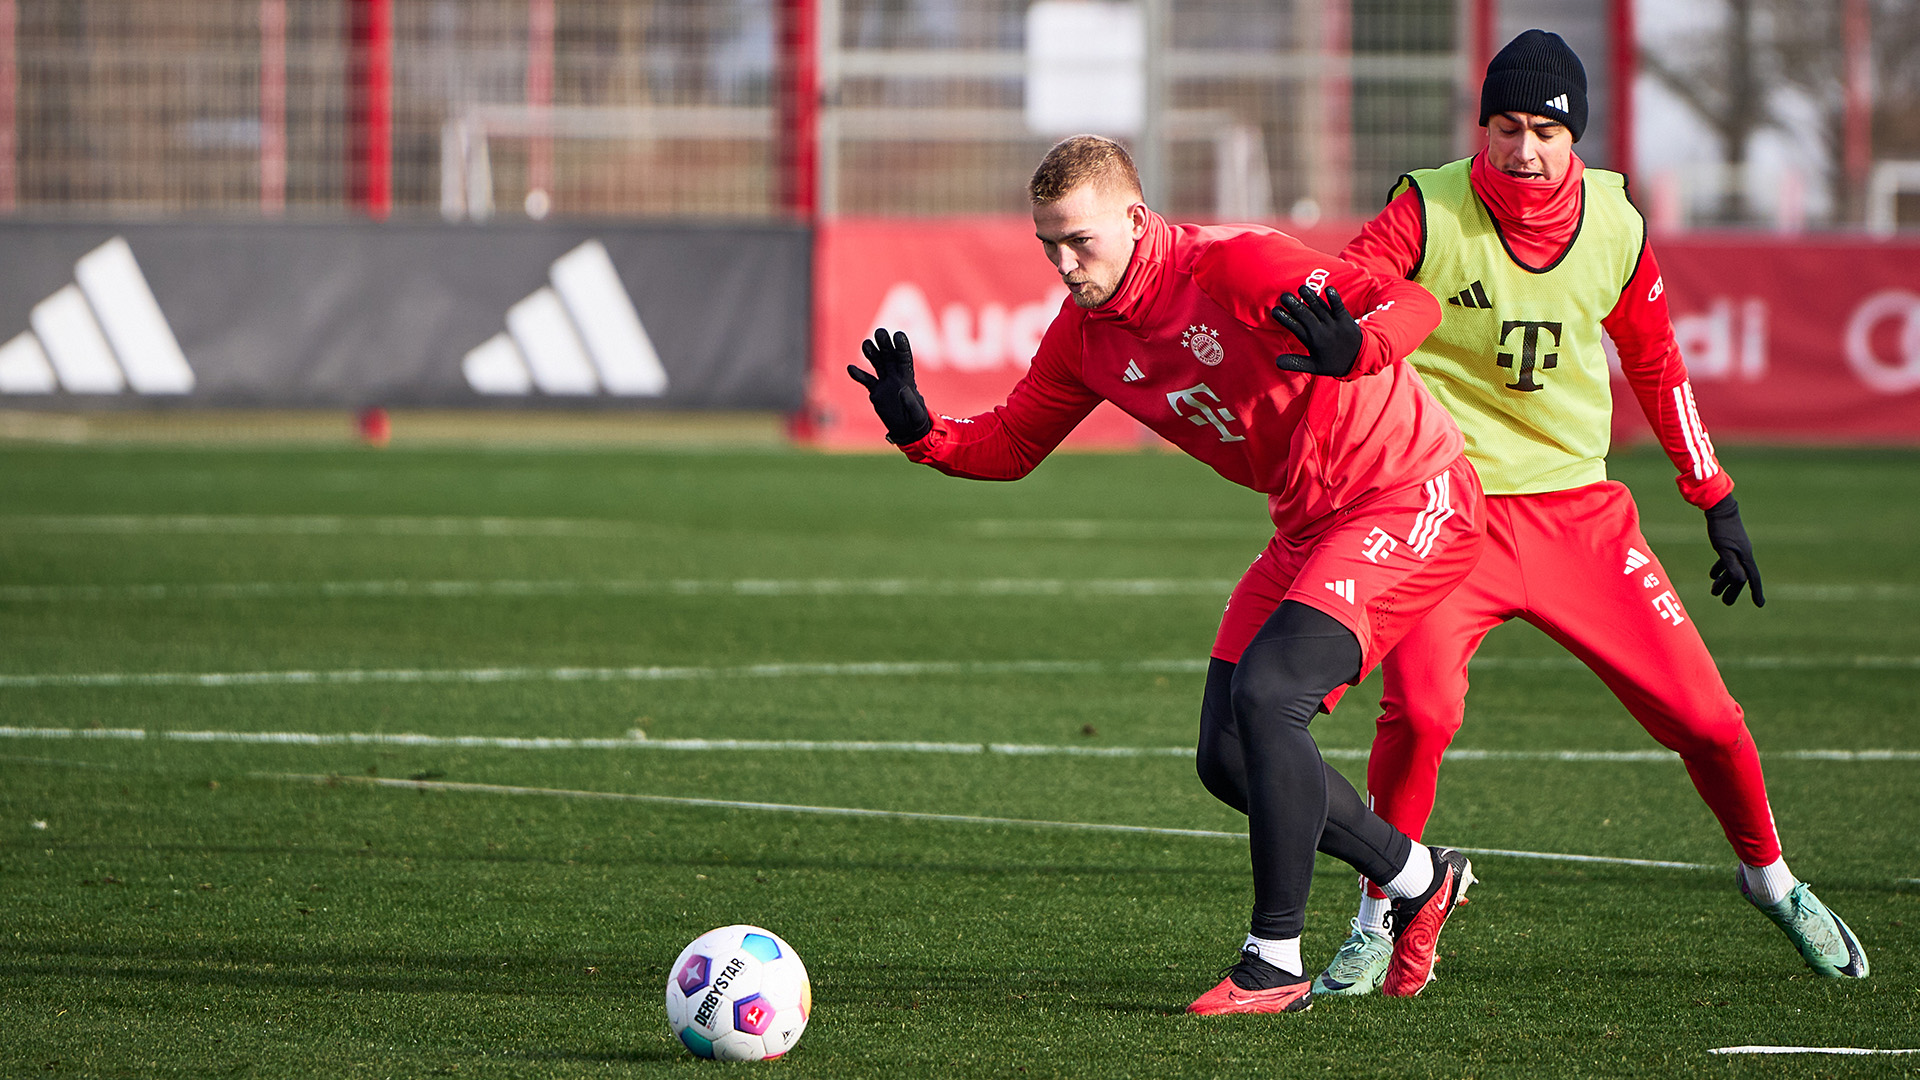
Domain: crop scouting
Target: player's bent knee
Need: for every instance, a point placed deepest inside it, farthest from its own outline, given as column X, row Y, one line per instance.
column 1711, row 737
column 1420, row 724
column 1262, row 697
column 1225, row 779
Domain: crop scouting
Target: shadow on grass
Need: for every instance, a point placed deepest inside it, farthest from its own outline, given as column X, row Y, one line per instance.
column 606, row 1057
column 584, row 977
column 343, row 971
column 744, row 862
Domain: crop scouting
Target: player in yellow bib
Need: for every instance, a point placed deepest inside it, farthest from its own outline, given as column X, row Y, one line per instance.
column 1532, row 254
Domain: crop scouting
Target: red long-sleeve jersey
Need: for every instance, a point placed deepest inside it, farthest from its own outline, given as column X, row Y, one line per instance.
column 1641, row 327
column 1186, row 346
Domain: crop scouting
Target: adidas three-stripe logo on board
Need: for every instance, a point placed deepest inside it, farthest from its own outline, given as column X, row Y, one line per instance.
column 577, row 336
column 102, row 334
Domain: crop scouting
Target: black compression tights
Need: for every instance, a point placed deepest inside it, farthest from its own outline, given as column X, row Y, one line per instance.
column 1257, row 757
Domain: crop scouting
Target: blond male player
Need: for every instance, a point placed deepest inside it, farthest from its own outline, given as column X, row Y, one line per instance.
column 1375, row 512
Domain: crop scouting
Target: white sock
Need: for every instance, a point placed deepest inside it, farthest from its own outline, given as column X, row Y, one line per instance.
column 1771, row 883
column 1413, row 878
column 1283, row 953
column 1373, row 912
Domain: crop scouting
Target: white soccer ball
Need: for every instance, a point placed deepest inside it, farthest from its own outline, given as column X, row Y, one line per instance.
column 738, row 993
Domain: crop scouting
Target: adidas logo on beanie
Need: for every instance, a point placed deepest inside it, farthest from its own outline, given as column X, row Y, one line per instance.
column 1537, row 73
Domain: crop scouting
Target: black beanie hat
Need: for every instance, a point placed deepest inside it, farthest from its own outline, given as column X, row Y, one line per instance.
column 1536, row 73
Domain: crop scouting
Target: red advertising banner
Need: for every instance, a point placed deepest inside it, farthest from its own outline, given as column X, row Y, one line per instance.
column 1794, row 340
column 1787, row 340
column 973, row 296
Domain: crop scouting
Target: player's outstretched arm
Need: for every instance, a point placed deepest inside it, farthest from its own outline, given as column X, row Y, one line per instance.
column 1735, row 567
column 1330, row 334
column 890, row 387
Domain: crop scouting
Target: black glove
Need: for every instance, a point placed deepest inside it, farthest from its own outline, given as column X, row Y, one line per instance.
column 891, row 387
column 1331, row 336
column 1735, row 567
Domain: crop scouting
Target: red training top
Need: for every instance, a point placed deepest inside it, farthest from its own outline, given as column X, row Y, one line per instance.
column 1186, row 346
column 1539, row 221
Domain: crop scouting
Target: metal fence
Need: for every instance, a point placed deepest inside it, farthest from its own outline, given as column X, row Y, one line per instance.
column 1252, row 107
column 674, row 108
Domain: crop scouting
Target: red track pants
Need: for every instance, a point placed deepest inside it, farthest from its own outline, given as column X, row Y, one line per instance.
column 1574, row 564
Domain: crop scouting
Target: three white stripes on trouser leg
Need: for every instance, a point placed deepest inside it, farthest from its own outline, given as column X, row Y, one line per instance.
column 1426, row 527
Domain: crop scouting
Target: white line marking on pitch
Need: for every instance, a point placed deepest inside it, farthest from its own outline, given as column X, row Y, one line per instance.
column 319, row 525
column 583, row 674
column 745, row 587
column 660, row 673
column 897, row 815
column 1091, row 529
column 1803, row 1050
column 995, row 529
column 1552, row 856
column 1568, row 663
column 1234, row 529
column 641, row 742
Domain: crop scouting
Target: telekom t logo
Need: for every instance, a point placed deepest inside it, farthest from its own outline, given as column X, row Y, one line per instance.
column 1377, row 545
column 1531, row 355
column 1668, row 605
column 1201, row 413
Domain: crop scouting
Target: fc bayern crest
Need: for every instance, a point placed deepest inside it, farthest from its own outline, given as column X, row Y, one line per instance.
column 1206, row 348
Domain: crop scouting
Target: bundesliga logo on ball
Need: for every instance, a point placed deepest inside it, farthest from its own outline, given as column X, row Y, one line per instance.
column 738, row 993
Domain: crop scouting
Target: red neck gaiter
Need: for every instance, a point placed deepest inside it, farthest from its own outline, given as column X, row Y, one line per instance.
column 1141, row 285
column 1538, row 218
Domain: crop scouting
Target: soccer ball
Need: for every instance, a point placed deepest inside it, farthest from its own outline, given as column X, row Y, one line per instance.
column 738, row 993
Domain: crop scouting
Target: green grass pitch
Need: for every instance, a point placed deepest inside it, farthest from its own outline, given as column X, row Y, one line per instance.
column 174, row 904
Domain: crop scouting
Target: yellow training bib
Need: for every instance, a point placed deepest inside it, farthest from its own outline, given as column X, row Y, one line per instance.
column 1517, row 358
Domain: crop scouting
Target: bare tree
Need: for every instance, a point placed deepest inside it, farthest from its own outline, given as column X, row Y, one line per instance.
column 1714, row 74
column 1735, row 78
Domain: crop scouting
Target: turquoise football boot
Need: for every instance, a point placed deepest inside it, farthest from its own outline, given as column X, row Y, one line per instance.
column 1359, row 965
column 1828, row 945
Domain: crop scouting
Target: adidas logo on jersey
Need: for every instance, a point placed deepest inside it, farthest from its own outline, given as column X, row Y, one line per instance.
column 1635, row 560
column 1133, row 372
column 1342, row 589
column 1473, row 296
column 1558, row 101
column 102, row 334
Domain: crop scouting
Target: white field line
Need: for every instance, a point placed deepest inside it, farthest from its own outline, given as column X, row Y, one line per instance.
column 1259, row 529
column 896, row 815
column 640, row 742
column 585, row 674
column 993, row 529
column 1610, row 859
column 1803, row 1050
column 745, row 587
column 317, row 525
column 1774, row 534
column 753, row 587
column 1093, row 529
column 1800, row 662
column 662, row 673
column 1877, row 590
